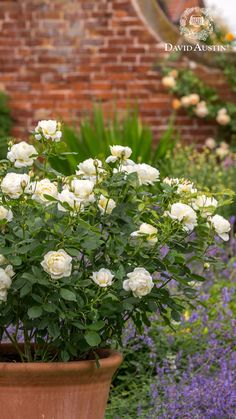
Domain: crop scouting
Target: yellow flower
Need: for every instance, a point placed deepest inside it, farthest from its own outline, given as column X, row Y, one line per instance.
column 229, row 37
column 186, row 315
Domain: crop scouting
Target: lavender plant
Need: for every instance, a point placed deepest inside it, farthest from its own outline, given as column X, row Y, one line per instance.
column 191, row 372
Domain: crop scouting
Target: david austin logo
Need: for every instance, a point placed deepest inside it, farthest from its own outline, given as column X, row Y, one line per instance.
column 196, row 24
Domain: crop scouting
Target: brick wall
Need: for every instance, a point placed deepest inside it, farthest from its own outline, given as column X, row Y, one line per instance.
column 57, row 57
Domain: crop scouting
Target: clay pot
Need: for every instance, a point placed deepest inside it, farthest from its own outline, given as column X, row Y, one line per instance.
column 71, row 390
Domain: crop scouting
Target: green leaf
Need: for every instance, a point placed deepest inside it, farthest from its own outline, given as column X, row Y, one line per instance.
column 67, row 294
column 50, row 198
column 34, row 312
column 53, row 330
column 97, row 326
column 36, row 271
column 73, row 252
column 175, row 316
column 92, row 338
column 16, row 260
column 29, row 277
column 65, row 356
column 79, row 325
column 195, row 277
column 50, row 307
column 27, row 288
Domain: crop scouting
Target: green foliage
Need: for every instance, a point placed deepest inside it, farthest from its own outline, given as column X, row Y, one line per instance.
column 95, row 135
column 5, row 123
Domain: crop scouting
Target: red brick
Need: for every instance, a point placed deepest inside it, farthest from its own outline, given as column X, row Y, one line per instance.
column 58, row 57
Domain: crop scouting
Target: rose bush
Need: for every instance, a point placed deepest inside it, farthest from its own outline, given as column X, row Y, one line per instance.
column 80, row 255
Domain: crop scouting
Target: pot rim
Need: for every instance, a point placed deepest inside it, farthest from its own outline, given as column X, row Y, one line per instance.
column 109, row 359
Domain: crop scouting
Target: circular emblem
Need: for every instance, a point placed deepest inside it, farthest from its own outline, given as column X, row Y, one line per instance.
column 196, row 24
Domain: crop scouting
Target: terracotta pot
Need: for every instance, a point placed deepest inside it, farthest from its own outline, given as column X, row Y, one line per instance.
column 72, row 390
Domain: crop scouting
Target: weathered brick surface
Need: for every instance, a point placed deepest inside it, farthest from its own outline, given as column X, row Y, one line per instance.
column 59, row 57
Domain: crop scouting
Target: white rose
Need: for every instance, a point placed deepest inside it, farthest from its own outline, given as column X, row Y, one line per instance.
column 3, row 260
column 3, row 295
column 194, row 99
column 118, row 152
column 13, row 184
column 5, row 281
column 223, row 150
column 5, row 214
column 221, row 226
column 186, row 187
column 51, row 130
column 168, row 81
column 82, row 189
column 90, row 168
column 146, row 230
column 185, row 101
column 171, row 181
column 210, row 143
column 139, row 282
column 223, row 118
column 41, row 188
column 69, row 198
column 147, row 174
column 201, row 110
column 205, row 203
column 106, row 205
column 57, row 264
column 103, row 277
column 185, row 214
column 21, row 154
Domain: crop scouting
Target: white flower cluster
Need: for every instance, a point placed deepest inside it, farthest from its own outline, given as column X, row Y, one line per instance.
column 5, row 281
column 205, row 205
column 139, row 281
column 222, row 151
column 200, row 107
column 79, row 191
column 147, row 175
column 186, row 215
column 190, row 100
column 183, row 185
